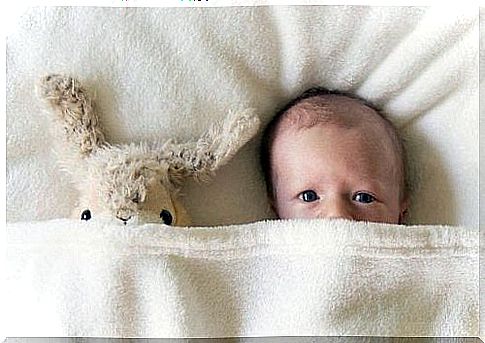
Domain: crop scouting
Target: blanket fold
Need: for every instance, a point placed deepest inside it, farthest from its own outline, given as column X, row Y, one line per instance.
column 269, row 278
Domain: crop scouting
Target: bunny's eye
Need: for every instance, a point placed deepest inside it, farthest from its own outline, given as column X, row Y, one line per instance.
column 166, row 217
column 136, row 199
column 86, row 215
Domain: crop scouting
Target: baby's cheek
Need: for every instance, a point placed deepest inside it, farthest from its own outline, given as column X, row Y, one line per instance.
column 290, row 210
column 282, row 209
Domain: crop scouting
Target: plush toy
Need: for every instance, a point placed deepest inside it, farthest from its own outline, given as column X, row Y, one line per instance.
column 135, row 183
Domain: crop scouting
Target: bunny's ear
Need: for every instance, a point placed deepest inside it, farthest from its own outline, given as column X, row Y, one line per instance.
column 75, row 111
column 215, row 148
column 175, row 157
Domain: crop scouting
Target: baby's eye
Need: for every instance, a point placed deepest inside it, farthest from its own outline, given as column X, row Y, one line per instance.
column 364, row 198
column 86, row 215
column 308, row 196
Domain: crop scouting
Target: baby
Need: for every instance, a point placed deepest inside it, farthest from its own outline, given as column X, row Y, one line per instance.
column 332, row 155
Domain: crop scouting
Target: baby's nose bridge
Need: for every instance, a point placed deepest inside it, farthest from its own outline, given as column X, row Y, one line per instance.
column 336, row 207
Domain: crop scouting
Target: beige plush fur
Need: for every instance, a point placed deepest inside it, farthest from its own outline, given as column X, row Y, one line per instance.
column 134, row 183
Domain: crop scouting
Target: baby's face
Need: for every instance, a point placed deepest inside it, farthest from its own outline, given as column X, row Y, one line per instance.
column 328, row 171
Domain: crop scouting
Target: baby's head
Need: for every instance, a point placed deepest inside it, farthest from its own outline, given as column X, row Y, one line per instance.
column 332, row 155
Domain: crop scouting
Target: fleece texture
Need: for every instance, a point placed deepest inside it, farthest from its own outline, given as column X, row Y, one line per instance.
column 269, row 278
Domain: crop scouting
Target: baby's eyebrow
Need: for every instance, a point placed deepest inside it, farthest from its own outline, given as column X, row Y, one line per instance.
column 293, row 187
column 376, row 186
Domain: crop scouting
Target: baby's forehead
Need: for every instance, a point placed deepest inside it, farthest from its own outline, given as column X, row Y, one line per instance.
column 344, row 112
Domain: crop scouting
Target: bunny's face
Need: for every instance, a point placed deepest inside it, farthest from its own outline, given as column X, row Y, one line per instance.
column 130, row 185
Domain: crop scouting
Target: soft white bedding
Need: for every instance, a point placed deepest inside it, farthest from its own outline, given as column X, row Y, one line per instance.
column 273, row 278
column 161, row 73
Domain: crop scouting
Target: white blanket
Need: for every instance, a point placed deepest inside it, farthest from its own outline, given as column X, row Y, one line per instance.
column 161, row 73
column 274, row 278
column 167, row 72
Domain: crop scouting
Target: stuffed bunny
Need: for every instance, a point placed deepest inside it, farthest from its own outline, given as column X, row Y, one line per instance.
column 135, row 183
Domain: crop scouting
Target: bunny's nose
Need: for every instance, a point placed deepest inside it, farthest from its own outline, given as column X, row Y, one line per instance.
column 124, row 219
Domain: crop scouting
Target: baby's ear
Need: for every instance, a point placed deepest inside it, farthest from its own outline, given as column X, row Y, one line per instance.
column 272, row 205
column 403, row 213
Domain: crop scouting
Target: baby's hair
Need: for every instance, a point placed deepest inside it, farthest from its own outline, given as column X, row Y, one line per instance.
column 315, row 98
